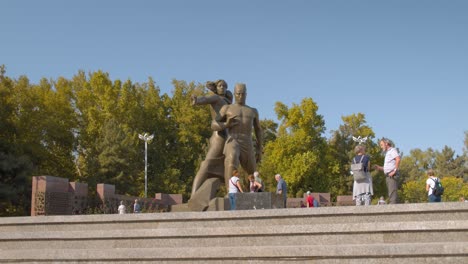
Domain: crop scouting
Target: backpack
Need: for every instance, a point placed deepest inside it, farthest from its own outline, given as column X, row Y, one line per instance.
column 438, row 189
column 358, row 170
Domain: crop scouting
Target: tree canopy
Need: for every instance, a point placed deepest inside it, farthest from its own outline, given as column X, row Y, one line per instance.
column 86, row 129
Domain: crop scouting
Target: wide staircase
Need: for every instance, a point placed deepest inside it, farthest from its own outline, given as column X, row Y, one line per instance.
column 404, row 233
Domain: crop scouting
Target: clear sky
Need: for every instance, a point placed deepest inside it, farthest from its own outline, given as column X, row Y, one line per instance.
column 402, row 63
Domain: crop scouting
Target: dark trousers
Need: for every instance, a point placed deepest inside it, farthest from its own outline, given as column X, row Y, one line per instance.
column 392, row 187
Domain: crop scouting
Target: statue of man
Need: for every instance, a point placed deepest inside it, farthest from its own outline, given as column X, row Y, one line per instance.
column 239, row 119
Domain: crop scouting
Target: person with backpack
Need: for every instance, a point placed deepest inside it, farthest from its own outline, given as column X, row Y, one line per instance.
column 362, row 187
column 433, row 187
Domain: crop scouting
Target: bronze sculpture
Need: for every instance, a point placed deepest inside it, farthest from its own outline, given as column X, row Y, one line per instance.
column 213, row 165
column 239, row 119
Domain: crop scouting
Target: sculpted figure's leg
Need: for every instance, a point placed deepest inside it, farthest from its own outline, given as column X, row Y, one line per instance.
column 231, row 160
column 214, row 155
column 216, row 146
column 247, row 158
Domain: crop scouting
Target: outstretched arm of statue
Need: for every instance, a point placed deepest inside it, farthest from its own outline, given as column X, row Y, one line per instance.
column 202, row 100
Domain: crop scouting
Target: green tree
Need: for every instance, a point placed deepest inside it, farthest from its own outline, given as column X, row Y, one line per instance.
column 454, row 189
column 447, row 163
column 296, row 153
column 15, row 168
column 413, row 167
column 114, row 148
column 270, row 129
column 186, row 139
column 95, row 103
column 341, row 151
column 414, row 191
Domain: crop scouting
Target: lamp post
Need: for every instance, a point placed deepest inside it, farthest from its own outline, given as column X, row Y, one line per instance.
column 145, row 137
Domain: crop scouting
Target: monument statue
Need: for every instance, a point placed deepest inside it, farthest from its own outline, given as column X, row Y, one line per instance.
column 239, row 119
column 213, row 165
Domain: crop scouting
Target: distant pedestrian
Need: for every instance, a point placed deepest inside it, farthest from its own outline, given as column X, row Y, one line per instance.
column 259, row 180
column 281, row 188
column 390, row 168
column 234, row 188
column 136, row 207
column 310, row 200
column 362, row 189
column 253, row 185
column 430, row 185
column 121, row 208
column 381, row 201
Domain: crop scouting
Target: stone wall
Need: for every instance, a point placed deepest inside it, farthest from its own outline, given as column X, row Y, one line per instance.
column 57, row 196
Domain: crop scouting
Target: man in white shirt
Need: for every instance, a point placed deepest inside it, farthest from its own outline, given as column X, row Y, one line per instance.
column 390, row 168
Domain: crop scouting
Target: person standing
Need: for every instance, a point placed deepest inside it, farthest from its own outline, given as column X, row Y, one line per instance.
column 240, row 119
column 254, row 185
column 362, row 190
column 381, row 201
column 281, row 188
column 234, row 188
column 121, row 208
column 259, row 180
column 310, row 200
column 390, row 168
column 430, row 185
column 136, row 207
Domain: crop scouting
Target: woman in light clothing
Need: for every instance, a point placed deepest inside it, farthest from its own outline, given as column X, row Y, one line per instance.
column 121, row 208
column 363, row 191
column 234, row 187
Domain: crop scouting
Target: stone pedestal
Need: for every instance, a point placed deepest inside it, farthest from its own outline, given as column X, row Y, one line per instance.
column 200, row 201
column 260, row 200
column 219, row 204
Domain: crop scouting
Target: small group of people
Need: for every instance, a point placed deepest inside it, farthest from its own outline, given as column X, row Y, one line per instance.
column 255, row 185
column 363, row 191
column 362, row 188
column 122, row 209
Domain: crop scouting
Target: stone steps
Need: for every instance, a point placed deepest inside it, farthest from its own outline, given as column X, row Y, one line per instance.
column 403, row 253
column 212, row 237
column 348, row 214
column 409, row 233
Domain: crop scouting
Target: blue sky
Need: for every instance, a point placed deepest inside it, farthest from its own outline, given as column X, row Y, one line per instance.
column 402, row 63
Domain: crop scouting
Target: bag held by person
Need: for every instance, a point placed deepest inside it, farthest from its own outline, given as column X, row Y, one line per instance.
column 358, row 170
column 438, row 189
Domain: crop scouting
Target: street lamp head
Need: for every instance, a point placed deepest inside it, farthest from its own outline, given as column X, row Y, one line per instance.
column 145, row 137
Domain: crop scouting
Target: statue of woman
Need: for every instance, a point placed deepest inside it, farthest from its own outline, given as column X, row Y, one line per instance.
column 213, row 165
